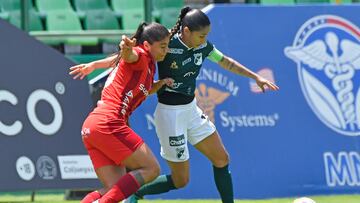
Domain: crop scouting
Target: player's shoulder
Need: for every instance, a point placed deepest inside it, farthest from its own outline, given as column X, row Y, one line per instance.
column 174, row 41
column 142, row 53
column 139, row 50
column 205, row 48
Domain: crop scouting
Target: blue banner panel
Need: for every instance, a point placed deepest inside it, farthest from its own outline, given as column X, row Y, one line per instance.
column 303, row 139
column 41, row 112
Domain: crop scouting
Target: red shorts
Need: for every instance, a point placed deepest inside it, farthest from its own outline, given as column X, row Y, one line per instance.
column 108, row 142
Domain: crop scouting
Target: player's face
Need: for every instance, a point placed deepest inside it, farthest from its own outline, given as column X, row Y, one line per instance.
column 159, row 49
column 198, row 38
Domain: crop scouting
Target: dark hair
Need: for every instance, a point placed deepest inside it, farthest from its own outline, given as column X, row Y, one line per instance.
column 194, row 19
column 150, row 32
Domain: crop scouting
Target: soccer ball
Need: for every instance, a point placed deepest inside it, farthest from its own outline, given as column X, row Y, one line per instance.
column 304, row 200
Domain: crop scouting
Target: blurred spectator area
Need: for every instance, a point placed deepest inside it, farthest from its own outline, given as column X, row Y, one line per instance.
column 84, row 29
column 87, row 23
column 96, row 25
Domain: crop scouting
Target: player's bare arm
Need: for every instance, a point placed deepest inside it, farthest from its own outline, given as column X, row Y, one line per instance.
column 82, row 70
column 158, row 84
column 235, row 67
column 126, row 50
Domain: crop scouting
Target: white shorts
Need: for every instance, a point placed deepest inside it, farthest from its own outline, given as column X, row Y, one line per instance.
column 178, row 124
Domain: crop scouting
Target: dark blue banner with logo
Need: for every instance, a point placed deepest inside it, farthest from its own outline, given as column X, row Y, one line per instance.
column 41, row 112
column 303, row 139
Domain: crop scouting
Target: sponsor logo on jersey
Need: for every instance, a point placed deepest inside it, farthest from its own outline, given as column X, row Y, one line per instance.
column 186, row 61
column 188, row 74
column 174, row 65
column 326, row 50
column 126, row 101
column 175, row 51
column 176, row 85
column 129, row 94
column 177, row 141
column 143, row 89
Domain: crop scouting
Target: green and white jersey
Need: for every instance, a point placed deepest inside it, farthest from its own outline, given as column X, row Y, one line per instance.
column 183, row 65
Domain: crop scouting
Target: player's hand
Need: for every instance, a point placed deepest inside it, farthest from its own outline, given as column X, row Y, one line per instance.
column 81, row 70
column 265, row 84
column 127, row 44
column 168, row 82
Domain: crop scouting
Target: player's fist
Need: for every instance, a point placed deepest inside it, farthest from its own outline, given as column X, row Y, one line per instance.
column 126, row 43
column 168, row 82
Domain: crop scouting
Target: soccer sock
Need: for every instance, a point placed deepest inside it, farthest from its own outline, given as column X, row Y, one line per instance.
column 126, row 186
column 223, row 183
column 92, row 196
column 161, row 184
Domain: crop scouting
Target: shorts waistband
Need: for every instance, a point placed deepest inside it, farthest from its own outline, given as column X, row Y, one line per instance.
column 181, row 106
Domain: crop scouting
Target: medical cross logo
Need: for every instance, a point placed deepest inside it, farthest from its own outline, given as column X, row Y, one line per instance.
column 327, row 52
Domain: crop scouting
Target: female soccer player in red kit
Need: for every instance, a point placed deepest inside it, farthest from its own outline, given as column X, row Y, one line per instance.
column 112, row 145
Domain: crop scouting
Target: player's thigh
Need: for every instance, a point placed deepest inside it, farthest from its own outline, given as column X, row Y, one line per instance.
column 213, row 148
column 203, row 136
column 143, row 157
column 171, row 129
column 199, row 126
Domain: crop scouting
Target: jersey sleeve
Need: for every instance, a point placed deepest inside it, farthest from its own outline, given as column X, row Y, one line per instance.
column 208, row 49
column 141, row 63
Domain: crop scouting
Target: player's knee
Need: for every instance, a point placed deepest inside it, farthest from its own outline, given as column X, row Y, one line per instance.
column 222, row 160
column 154, row 171
column 107, row 186
column 181, row 182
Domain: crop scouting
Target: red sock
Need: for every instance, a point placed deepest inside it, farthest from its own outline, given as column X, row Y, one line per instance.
column 92, row 196
column 126, row 186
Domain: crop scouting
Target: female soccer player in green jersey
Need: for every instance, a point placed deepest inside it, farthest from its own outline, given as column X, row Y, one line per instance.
column 178, row 119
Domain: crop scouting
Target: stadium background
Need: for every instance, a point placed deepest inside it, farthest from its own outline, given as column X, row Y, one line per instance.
column 282, row 144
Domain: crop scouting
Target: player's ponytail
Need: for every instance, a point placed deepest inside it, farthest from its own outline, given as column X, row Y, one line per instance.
column 139, row 32
column 178, row 23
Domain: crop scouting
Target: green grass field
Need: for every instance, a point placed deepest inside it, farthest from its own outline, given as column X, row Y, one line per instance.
column 59, row 198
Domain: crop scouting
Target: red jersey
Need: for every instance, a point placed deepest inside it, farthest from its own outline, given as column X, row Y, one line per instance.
column 127, row 86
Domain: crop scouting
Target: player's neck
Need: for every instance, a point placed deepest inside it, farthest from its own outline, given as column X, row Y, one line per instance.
column 185, row 41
